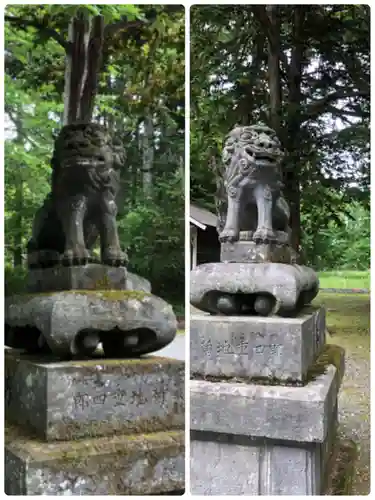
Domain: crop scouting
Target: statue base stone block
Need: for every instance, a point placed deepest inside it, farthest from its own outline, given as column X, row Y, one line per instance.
column 137, row 464
column 96, row 397
column 239, row 465
column 98, row 426
column 254, row 347
column 257, row 439
column 87, row 277
column 250, row 251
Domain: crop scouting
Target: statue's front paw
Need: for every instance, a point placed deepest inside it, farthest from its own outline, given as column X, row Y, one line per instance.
column 114, row 257
column 76, row 256
column 264, row 235
column 229, row 235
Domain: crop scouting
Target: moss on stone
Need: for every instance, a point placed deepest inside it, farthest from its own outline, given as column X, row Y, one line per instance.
column 79, row 455
column 124, row 366
column 101, row 294
column 105, row 462
column 330, row 355
column 74, row 429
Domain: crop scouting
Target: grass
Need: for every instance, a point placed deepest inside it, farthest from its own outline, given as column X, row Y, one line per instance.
column 346, row 314
column 344, row 279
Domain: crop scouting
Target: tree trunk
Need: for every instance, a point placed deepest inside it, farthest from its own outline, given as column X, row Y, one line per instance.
column 93, row 63
column 294, row 120
column 67, row 77
column 181, row 163
column 18, row 247
column 148, row 154
column 274, row 78
column 82, row 68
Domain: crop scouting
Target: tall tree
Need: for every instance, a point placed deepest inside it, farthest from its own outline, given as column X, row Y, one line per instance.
column 304, row 70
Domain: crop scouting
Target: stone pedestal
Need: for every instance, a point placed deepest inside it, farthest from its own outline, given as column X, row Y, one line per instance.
column 70, row 323
column 254, row 347
column 136, row 464
column 286, row 287
column 263, row 404
column 96, row 426
column 100, row 397
column 249, row 251
column 88, row 277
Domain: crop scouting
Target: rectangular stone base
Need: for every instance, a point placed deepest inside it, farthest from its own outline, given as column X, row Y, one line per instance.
column 237, row 465
column 97, row 397
column 267, row 411
column 141, row 464
column 249, row 251
column 256, row 347
column 253, row 439
column 88, row 277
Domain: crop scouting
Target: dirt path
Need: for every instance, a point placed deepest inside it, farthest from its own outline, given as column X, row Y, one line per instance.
column 354, row 408
column 348, row 319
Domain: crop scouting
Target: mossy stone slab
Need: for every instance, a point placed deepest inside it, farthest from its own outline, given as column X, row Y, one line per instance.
column 99, row 397
column 141, row 464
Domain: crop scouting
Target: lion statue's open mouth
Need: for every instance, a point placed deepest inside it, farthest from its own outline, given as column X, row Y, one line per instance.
column 252, row 183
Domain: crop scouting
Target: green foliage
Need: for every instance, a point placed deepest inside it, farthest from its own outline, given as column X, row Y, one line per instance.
column 142, row 75
column 341, row 244
column 15, row 280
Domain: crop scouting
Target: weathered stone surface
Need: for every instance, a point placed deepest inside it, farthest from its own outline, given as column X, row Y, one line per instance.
column 253, row 346
column 249, row 251
column 70, row 400
column 273, row 412
column 136, row 282
column 289, row 287
column 88, row 277
column 223, row 464
column 126, row 322
column 141, row 464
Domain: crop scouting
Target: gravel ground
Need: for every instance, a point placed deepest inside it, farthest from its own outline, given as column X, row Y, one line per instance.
column 354, row 407
column 348, row 321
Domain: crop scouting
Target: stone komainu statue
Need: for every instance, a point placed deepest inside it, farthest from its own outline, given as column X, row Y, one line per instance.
column 255, row 207
column 81, row 205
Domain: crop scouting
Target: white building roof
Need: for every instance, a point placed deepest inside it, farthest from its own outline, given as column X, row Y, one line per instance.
column 201, row 217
